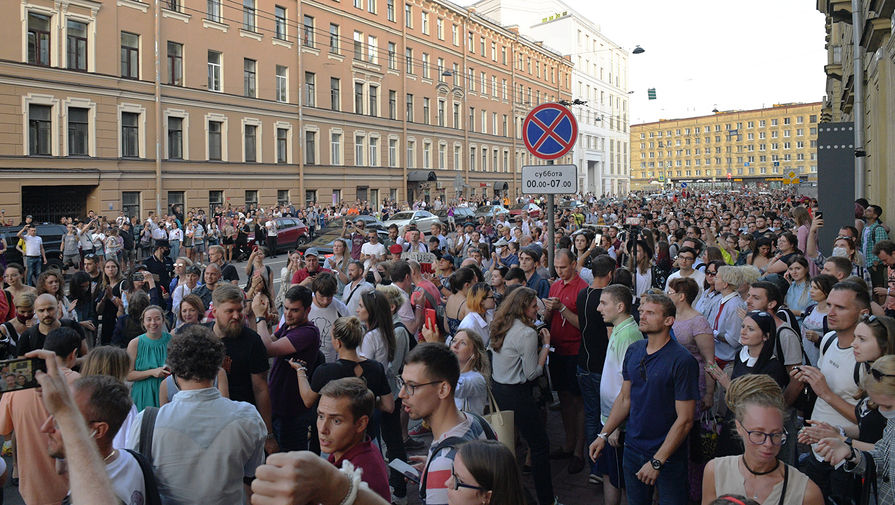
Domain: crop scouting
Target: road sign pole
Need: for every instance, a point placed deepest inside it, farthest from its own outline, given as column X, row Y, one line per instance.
column 551, row 230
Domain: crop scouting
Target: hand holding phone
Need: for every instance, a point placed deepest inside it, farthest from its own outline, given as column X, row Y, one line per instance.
column 405, row 469
column 21, row 373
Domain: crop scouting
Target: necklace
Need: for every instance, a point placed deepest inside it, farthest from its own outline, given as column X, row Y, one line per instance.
column 753, row 472
column 114, row 452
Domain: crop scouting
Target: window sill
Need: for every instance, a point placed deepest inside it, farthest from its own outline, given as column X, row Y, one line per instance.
column 336, row 57
column 250, row 34
column 167, row 13
column 281, row 42
column 133, row 4
column 207, row 23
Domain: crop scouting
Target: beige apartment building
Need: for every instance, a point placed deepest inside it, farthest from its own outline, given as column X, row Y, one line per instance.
column 137, row 105
column 877, row 17
column 728, row 147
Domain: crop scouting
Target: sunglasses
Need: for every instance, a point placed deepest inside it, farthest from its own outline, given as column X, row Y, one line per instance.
column 879, row 375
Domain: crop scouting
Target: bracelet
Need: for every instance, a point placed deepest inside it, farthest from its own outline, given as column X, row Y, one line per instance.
column 353, row 475
column 259, row 319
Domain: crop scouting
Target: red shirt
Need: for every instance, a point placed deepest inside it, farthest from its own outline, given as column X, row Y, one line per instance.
column 365, row 455
column 303, row 274
column 563, row 335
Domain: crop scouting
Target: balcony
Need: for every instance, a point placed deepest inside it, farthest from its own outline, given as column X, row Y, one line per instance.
column 838, row 10
column 875, row 31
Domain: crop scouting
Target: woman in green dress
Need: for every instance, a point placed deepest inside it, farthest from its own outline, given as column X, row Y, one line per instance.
column 148, row 353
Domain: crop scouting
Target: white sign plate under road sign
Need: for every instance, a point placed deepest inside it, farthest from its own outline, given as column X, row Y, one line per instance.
column 550, row 179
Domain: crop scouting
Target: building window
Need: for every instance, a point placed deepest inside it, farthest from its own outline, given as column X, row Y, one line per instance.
column 411, row 153
column 213, row 10
column 334, row 38
column 442, row 156
column 408, row 16
column 175, row 138
column 427, row 155
column 371, row 6
column 250, row 143
column 334, row 90
column 358, row 98
column 374, row 152
column 310, row 147
column 282, row 84
column 251, row 198
column 358, row 150
column 310, row 89
column 374, row 101
column 214, row 139
column 372, row 50
column 390, row 10
column 424, row 22
column 130, row 134
column 130, row 55
column 280, row 14
column 175, row 64
column 248, row 77
column 282, row 197
column 455, row 35
column 307, row 38
column 472, row 158
column 456, row 115
column 248, row 15
column 282, row 145
column 130, row 203
column 335, row 143
column 78, row 137
column 457, row 154
column 40, row 129
column 392, row 152
column 77, row 45
column 38, row 39
column 440, row 113
column 358, row 45
column 439, row 28
column 392, row 104
column 409, row 112
column 214, row 71
column 392, row 57
column 426, row 114
column 425, row 65
column 408, row 58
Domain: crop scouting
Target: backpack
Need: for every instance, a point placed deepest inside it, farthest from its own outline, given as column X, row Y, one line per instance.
column 807, row 397
column 450, row 443
column 144, row 456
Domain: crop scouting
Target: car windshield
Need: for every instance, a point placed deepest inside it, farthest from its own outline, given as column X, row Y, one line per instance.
column 402, row 215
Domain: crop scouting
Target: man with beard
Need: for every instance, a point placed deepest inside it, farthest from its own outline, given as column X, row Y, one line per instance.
column 296, row 339
column 356, row 286
column 212, row 277
column 246, row 357
column 46, row 308
column 325, row 309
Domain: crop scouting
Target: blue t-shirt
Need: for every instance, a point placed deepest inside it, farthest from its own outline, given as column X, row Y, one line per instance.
column 672, row 374
column 541, row 286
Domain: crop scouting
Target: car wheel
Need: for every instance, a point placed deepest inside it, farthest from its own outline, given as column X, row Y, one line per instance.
column 301, row 240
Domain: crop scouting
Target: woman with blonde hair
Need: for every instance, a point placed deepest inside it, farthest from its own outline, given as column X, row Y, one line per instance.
column 756, row 401
column 879, row 384
column 114, row 362
column 472, row 387
column 519, row 354
column 479, row 300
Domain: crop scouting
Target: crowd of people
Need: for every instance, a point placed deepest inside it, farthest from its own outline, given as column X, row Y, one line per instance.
column 697, row 347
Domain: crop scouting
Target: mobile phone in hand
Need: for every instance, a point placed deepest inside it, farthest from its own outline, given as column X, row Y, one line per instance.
column 18, row 374
column 405, row 469
column 430, row 319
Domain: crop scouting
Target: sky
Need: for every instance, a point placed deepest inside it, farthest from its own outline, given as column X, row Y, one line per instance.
column 707, row 54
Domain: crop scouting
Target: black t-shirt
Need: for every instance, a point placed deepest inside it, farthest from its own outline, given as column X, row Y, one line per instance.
column 33, row 339
column 594, row 336
column 229, row 273
column 246, row 355
column 373, row 374
column 870, row 422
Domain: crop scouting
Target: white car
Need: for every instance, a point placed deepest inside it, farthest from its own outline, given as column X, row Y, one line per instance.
column 421, row 218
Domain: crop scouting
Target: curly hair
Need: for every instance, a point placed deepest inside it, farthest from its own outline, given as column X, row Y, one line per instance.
column 195, row 354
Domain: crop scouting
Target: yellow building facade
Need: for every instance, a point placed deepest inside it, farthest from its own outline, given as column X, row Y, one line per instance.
column 739, row 147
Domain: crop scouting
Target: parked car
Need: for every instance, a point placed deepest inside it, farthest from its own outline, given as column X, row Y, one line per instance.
column 533, row 210
column 325, row 238
column 491, row 211
column 461, row 215
column 369, row 222
column 423, row 220
column 52, row 239
column 291, row 233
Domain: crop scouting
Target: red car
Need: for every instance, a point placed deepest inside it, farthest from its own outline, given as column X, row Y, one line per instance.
column 291, row 233
column 533, row 210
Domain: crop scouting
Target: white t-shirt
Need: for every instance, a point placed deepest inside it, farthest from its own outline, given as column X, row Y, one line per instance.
column 838, row 367
column 377, row 249
column 697, row 275
column 324, row 318
column 127, row 479
column 32, row 245
column 271, row 228
column 475, row 322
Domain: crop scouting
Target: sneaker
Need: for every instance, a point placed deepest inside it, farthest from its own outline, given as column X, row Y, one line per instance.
column 594, row 479
column 420, row 431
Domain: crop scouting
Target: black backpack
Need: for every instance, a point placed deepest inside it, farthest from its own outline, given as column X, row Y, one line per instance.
column 450, row 443
column 144, row 456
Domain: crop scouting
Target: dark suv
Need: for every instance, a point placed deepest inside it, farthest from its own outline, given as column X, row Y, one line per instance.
column 52, row 239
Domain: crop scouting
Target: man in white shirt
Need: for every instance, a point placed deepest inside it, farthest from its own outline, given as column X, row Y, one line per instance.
column 271, row 227
column 372, row 251
column 325, row 310
column 106, row 402
column 685, row 259
column 35, row 256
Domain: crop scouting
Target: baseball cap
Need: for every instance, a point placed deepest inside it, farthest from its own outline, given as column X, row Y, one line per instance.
column 447, row 257
column 312, row 251
column 501, row 242
column 395, row 249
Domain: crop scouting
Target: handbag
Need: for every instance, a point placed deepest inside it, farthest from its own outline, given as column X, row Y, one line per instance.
column 503, row 423
column 706, row 439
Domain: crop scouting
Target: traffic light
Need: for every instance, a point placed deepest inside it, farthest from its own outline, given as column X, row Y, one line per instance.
column 651, row 93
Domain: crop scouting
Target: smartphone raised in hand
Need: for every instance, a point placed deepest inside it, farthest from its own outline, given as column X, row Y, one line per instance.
column 18, row 374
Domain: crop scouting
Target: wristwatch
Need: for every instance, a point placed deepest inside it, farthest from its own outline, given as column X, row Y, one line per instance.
column 657, row 465
column 260, row 319
column 848, row 441
column 604, row 436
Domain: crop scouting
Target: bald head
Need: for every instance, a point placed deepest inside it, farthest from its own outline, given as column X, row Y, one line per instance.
column 46, row 308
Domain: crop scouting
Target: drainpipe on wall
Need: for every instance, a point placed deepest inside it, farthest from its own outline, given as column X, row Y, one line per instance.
column 158, row 110
column 858, row 109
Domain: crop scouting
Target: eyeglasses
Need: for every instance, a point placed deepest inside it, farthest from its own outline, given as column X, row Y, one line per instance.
column 707, row 273
column 411, row 388
column 759, row 313
column 879, row 375
column 760, row 437
column 459, row 483
column 686, row 258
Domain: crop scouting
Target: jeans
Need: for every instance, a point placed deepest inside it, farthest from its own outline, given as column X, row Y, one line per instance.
column 272, row 246
column 671, row 483
column 518, row 398
column 175, row 249
column 394, row 447
column 292, row 431
column 589, row 382
column 34, row 265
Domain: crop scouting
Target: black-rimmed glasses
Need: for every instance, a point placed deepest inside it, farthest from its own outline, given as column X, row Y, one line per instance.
column 459, row 483
column 411, row 388
column 760, row 437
